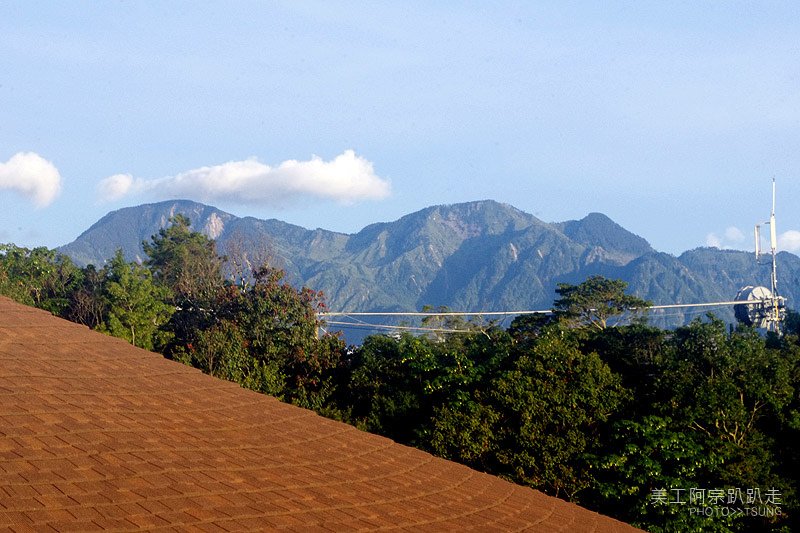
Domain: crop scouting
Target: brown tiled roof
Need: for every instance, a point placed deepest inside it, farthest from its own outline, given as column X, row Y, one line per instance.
column 97, row 434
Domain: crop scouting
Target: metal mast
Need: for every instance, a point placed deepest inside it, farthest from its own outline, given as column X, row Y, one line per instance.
column 773, row 242
column 766, row 309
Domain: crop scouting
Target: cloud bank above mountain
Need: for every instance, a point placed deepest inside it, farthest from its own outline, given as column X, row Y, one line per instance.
column 32, row 176
column 347, row 178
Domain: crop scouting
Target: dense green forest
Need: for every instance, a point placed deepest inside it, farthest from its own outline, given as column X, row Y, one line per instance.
column 686, row 430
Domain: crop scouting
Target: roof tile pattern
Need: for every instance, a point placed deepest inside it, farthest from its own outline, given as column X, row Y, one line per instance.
column 96, row 434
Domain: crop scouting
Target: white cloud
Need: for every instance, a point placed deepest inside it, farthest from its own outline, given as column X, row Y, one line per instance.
column 734, row 235
column 114, row 187
column 347, row 178
column 713, row 240
column 731, row 238
column 789, row 241
column 31, row 175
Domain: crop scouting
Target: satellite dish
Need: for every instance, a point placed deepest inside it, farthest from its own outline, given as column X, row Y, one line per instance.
column 764, row 308
column 759, row 311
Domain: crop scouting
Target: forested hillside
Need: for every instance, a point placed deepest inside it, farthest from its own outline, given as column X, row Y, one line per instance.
column 693, row 429
column 472, row 256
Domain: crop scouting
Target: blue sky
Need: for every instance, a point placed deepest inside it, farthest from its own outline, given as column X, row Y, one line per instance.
column 670, row 117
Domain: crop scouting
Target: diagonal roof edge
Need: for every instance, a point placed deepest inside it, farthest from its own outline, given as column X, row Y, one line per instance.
column 98, row 434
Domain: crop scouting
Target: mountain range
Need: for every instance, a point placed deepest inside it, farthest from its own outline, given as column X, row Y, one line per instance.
column 472, row 256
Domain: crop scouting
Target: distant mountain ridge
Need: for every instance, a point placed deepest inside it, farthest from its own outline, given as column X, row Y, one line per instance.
column 480, row 255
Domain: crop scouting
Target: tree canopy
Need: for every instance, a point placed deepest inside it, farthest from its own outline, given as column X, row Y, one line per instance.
column 136, row 308
column 595, row 302
column 585, row 404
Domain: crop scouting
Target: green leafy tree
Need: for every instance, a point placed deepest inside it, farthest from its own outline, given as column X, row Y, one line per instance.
column 263, row 335
column 705, row 417
column 465, row 432
column 186, row 263
column 38, row 277
column 785, row 430
column 267, row 338
column 222, row 350
column 283, row 329
column 645, row 462
column 136, row 307
column 724, row 384
column 595, row 302
column 633, row 353
column 726, row 388
column 464, row 421
column 553, row 403
column 421, row 390
column 86, row 302
column 792, row 323
column 383, row 393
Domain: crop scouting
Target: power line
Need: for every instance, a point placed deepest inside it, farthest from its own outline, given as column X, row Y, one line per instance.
column 365, row 325
column 707, row 304
column 434, row 313
column 527, row 312
column 404, row 328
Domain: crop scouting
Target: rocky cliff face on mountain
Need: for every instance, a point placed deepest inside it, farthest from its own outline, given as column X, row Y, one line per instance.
column 472, row 256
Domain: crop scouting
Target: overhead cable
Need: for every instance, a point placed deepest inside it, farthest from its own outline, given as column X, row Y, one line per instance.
column 528, row 312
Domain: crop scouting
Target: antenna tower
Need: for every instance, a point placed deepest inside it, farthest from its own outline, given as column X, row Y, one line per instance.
column 764, row 308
